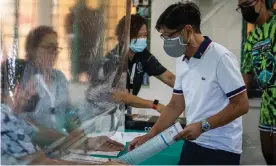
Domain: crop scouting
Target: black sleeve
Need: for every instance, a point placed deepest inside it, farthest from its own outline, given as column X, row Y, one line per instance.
column 153, row 67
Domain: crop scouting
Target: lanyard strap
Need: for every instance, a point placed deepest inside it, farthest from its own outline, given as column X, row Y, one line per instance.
column 43, row 84
column 132, row 73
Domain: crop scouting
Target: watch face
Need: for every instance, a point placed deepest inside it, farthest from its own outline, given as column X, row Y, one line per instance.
column 155, row 102
column 205, row 126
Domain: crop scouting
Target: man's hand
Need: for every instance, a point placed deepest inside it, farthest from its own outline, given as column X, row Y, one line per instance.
column 138, row 141
column 190, row 132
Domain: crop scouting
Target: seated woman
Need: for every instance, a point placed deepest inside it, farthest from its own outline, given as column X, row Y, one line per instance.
column 42, row 95
column 42, row 99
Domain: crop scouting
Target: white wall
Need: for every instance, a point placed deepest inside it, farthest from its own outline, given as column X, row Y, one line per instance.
column 221, row 23
column 225, row 27
column 44, row 12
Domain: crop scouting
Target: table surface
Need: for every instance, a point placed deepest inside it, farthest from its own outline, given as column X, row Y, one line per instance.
column 169, row 156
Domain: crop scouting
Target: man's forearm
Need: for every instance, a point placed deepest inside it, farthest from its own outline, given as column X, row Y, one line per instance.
column 166, row 119
column 231, row 112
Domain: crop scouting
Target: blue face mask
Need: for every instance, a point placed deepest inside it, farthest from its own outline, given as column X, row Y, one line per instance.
column 138, row 45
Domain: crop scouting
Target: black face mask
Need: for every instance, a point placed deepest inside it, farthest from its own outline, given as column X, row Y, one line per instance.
column 250, row 15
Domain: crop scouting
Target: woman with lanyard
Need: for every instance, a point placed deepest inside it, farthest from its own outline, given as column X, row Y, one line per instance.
column 140, row 61
column 41, row 97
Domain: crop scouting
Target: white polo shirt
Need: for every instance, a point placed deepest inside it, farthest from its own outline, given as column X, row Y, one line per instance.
column 208, row 80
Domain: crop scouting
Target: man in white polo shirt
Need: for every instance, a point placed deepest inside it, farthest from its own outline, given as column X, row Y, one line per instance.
column 208, row 86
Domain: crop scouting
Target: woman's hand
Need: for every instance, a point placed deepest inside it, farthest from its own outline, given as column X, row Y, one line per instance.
column 22, row 96
column 102, row 143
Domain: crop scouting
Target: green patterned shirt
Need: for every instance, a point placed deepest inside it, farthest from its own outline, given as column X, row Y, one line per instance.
column 260, row 59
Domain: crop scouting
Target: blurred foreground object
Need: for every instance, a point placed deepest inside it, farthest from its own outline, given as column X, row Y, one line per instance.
column 43, row 95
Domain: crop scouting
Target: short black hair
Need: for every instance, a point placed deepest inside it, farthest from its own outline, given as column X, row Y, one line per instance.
column 136, row 24
column 180, row 14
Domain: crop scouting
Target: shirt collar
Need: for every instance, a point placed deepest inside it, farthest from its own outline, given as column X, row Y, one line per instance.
column 202, row 48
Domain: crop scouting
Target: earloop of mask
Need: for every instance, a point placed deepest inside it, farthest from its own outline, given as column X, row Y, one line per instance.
column 179, row 38
column 183, row 44
column 190, row 38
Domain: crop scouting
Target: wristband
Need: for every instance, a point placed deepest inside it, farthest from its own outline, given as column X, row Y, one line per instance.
column 154, row 104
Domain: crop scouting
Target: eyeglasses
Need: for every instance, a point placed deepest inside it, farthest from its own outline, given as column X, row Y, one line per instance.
column 245, row 5
column 52, row 49
column 171, row 35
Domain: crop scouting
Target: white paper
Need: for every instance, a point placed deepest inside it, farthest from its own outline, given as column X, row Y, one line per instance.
column 143, row 118
column 79, row 151
column 117, row 136
column 129, row 136
column 84, row 159
column 153, row 146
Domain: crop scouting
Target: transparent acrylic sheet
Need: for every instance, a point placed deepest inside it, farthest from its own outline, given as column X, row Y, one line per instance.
column 65, row 106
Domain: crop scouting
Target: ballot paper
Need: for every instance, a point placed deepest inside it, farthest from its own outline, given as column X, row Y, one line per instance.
column 85, row 159
column 79, row 151
column 129, row 136
column 153, row 146
column 117, row 136
column 143, row 118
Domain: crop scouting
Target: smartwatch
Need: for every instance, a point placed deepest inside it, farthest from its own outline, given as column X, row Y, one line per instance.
column 154, row 104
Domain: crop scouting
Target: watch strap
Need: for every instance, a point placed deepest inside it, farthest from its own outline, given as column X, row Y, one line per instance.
column 154, row 104
column 205, row 126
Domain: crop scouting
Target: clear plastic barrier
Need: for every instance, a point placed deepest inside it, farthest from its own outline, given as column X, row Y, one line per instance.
column 61, row 62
